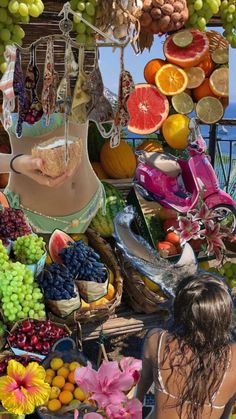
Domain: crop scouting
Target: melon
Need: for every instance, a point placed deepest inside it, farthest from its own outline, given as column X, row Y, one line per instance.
column 57, row 242
column 148, row 109
column 103, row 224
column 190, row 55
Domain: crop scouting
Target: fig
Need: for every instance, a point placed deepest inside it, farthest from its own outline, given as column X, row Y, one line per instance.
column 156, row 13
column 167, row 9
column 178, row 6
column 145, row 20
column 147, row 5
column 158, row 3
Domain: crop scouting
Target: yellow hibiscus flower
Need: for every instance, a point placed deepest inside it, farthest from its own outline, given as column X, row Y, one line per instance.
column 23, row 388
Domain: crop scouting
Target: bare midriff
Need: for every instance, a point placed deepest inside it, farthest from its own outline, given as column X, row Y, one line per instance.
column 68, row 198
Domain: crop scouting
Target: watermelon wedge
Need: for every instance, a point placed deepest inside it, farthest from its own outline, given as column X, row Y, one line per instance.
column 190, row 55
column 57, row 242
column 148, row 109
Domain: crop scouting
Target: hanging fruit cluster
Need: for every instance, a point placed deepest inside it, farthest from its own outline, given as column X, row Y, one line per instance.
column 116, row 17
column 88, row 10
column 161, row 16
column 12, row 13
column 201, row 11
column 228, row 18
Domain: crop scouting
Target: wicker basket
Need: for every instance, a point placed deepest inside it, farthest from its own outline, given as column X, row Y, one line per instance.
column 138, row 295
column 104, row 311
column 216, row 40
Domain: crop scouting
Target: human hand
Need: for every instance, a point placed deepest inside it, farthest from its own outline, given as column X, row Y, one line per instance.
column 32, row 168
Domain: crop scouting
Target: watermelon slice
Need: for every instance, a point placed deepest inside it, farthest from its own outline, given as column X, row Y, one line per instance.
column 190, row 55
column 148, row 109
column 57, row 242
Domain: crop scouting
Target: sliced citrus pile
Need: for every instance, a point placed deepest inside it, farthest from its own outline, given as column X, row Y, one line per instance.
column 209, row 110
column 196, row 76
column 207, row 64
column 219, row 82
column 151, row 69
column 182, row 103
column 220, row 55
column 171, row 80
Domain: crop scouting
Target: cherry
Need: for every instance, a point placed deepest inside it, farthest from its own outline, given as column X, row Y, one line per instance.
column 21, row 340
column 39, row 347
column 34, row 340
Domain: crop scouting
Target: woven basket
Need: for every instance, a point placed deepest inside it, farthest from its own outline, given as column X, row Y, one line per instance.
column 84, row 315
column 216, row 40
column 138, row 295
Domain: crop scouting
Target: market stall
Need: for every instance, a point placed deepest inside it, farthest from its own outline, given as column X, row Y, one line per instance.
column 96, row 229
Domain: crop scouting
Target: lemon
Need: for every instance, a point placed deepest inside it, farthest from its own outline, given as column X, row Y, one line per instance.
column 176, row 131
column 73, row 365
column 219, row 82
column 79, row 394
column 196, row 77
column 209, row 110
column 182, row 103
column 55, row 391
column 56, row 363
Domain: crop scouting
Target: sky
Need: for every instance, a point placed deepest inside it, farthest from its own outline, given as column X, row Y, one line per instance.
column 110, row 67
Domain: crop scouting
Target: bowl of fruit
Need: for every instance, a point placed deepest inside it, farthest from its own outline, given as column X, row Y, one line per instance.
column 36, row 337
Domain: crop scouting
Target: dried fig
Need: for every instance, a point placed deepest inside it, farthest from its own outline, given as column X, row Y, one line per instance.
column 156, row 13
column 145, row 19
column 147, row 5
column 155, row 26
column 164, row 23
column 167, row 9
column 158, row 3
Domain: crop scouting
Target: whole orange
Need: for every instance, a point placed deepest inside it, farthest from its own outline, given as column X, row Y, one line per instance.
column 207, row 64
column 69, row 387
column 71, row 377
column 151, row 69
column 203, row 90
column 65, row 397
column 172, row 238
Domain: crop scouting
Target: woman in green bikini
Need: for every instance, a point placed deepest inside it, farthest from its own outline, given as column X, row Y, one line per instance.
column 68, row 202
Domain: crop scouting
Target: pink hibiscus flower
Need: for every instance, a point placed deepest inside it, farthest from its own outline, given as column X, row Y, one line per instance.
column 107, row 385
column 93, row 415
column 132, row 409
column 131, row 366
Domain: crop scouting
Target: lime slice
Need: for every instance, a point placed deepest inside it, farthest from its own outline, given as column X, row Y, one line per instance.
column 220, row 55
column 183, row 39
column 182, row 103
column 209, row 110
column 196, row 77
column 219, row 82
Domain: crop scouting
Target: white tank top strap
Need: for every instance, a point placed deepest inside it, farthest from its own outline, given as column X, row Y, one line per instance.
column 159, row 376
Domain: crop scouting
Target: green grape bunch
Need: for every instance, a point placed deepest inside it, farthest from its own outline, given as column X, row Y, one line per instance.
column 201, row 11
column 228, row 18
column 20, row 295
column 12, row 14
column 88, row 10
column 29, row 249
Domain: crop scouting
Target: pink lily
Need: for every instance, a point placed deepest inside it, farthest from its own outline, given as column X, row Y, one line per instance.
column 214, row 238
column 131, row 410
column 203, row 214
column 131, row 366
column 106, row 385
column 188, row 229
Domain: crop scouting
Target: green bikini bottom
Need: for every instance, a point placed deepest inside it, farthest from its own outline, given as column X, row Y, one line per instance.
column 73, row 223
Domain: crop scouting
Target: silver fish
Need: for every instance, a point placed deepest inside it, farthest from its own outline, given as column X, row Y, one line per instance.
column 147, row 260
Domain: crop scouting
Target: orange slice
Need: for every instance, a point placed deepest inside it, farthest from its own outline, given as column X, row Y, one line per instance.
column 209, row 110
column 196, row 77
column 219, row 82
column 171, row 80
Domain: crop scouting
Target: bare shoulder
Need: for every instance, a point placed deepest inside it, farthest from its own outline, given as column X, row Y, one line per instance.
column 151, row 341
column 233, row 352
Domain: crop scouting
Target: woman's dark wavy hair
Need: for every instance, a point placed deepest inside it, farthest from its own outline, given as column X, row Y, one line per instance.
column 202, row 316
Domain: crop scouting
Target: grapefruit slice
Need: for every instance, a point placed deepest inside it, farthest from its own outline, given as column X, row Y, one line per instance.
column 148, row 109
column 189, row 56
